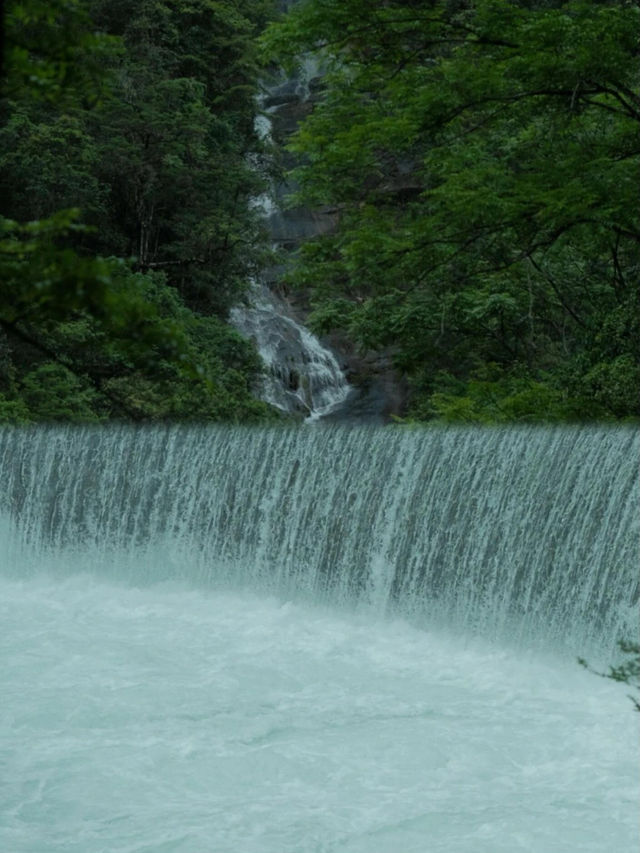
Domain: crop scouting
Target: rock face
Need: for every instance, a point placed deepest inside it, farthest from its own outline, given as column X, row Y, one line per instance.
column 314, row 379
column 378, row 393
column 287, row 101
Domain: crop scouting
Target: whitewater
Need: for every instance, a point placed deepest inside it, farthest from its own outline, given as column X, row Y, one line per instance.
column 316, row 641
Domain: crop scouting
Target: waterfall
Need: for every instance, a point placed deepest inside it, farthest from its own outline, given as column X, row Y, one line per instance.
column 302, row 375
column 529, row 534
column 294, row 640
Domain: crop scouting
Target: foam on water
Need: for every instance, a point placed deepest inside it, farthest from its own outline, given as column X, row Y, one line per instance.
column 530, row 535
column 163, row 719
column 316, row 641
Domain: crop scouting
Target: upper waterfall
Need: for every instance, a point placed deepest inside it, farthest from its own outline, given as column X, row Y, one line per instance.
column 525, row 532
column 302, row 375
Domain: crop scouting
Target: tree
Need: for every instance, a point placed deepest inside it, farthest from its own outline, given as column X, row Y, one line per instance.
column 174, row 144
column 108, row 154
column 483, row 159
column 49, row 68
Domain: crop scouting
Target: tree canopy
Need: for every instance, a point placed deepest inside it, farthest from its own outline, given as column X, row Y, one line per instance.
column 126, row 231
column 483, row 158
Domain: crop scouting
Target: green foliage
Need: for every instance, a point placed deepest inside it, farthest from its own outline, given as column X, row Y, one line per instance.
column 53, row 53
column 53, row 393
column 627, row 672
column 484, row 159
column 46, row 165
column 173, row 144
column 140, row 353
column 493, row 396
column 45, row 281
column 125, row 228
column 13, row 411
column 221, row 387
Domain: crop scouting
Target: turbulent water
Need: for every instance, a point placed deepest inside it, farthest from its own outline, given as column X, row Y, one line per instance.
column 301, row 375
column 316, row 640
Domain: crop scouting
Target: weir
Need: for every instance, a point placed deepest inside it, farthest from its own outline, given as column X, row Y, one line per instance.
column 523, row 534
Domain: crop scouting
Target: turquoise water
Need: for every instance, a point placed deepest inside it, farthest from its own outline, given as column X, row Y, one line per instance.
column 316, row 641
column 165, row 719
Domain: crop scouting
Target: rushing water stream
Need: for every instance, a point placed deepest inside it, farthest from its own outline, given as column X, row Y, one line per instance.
column 315, row 640
column 302, row 376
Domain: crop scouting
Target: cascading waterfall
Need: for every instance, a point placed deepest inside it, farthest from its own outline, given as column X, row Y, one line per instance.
column 328, row 640
column 523, row 532
column 302, row 375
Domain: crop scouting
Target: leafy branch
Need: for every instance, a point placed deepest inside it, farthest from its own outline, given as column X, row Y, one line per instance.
column 628, row 672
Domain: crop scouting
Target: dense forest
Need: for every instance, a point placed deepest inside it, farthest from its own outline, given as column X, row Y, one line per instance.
column 481, row 159
column 126, row 138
